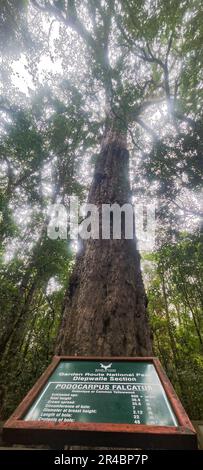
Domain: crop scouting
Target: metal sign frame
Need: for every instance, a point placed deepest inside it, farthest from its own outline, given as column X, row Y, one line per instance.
column 17, row 430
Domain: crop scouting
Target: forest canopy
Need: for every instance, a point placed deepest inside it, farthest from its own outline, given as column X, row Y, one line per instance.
column 66, row 67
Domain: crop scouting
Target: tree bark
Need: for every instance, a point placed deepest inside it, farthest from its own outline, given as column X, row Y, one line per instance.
column 105, row 305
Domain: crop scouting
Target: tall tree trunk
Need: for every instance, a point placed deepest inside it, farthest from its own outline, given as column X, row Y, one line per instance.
column 105, row 306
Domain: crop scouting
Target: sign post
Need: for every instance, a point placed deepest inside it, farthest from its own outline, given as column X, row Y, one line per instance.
column 101, row 401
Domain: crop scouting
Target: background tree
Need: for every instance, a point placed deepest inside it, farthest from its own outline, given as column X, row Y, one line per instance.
column 175, row 304
column 40, row 159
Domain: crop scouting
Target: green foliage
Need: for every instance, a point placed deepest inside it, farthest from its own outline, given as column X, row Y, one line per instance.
column 175, row 308
column 8, row 227
column 34, row 277
column 167, row 162
column 13, row 27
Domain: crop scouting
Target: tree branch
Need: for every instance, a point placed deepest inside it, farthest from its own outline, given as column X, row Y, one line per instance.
column 189, row 211
column 148, row 129
column 187, row 119
column 169, row 47
column 70, row 20
column 134, row 113
column 152, row 58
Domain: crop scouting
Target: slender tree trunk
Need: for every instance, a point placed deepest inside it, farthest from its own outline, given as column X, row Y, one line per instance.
column 20, row 311
column 13, row 341
column 169, row 325
column 105, row 306
column 174, row 350
column 194, row 317
column 160, row 350
column 25, row 344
